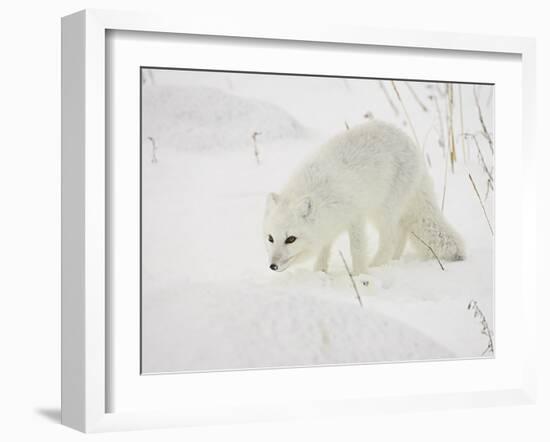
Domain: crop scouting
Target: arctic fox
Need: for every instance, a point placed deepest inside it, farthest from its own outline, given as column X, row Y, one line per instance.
column 372, row 172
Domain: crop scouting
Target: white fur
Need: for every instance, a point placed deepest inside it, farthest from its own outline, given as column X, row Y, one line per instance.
column 374, row 173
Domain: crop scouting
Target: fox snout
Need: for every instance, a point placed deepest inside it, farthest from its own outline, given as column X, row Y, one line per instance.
column 279, row 265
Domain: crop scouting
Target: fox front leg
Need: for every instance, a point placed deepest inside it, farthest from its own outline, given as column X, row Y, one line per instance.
column 388, row 232
column 321, row 264
column 402, row 236
column 358, row 247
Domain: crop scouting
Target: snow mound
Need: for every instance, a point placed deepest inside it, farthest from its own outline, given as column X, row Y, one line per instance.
column 200, row 119
column 219, row 327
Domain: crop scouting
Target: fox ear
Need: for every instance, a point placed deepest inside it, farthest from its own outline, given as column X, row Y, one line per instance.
column 272, row 200
column 306, row 208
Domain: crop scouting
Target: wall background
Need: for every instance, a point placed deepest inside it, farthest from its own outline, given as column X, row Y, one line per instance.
column 30, row 220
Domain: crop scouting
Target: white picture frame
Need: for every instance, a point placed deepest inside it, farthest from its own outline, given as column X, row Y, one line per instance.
column 85, row 201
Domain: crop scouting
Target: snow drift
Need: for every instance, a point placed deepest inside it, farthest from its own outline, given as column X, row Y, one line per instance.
column 199, row 119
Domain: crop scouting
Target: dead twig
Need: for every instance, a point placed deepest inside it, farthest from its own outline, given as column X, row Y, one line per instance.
column 256, row 151
column 481, row 202
column 351, row 278
column 430, row 249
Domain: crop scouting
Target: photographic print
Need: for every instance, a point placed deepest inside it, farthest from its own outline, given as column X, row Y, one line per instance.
column 306, row 220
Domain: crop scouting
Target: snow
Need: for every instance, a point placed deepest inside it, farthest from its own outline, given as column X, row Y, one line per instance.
column 209, row 301
column 202, row 118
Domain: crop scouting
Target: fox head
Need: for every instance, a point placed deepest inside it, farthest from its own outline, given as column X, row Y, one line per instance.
column 288, row 231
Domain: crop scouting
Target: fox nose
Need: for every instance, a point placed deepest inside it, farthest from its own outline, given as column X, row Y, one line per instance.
column 273, row 266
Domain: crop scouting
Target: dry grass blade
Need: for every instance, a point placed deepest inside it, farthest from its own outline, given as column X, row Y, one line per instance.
column 430, row 130
column 490, row 96
column 406, row 114
column 482, row 159
column 418, row 100
column 482, row 205
column 154, row 158
column 482, row 121
column 428, row 160
column 485, row 329
column 148, row 77
column 487, row 189
column 444, row 186
column 351, row 278
column 430, row 249
column 452, row 147
column 440, row 121
column 441, row 91
column 387, row 95
column 461, row 122
column 346, row 84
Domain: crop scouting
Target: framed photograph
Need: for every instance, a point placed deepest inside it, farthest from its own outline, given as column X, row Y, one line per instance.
column 265, row 223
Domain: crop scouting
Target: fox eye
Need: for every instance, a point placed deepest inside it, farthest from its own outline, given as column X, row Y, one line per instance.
column 290, row 240
column 269, row 238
